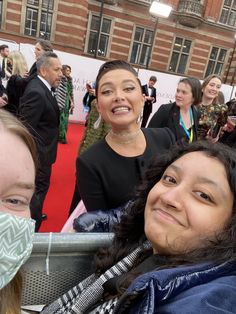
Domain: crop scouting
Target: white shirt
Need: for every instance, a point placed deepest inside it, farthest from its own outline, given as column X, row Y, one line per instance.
column 45, row 83
column 149, row 91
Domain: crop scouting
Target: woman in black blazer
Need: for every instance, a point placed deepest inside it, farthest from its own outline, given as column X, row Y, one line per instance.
column 181, row 116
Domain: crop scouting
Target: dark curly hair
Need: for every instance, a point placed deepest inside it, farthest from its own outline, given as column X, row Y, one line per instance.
column 130, row 232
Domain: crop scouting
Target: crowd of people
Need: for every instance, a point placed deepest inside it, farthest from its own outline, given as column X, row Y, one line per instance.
column 165, row 187
column 42, row 99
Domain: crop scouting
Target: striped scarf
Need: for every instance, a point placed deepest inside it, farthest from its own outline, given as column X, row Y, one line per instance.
column 61, row 93
column 90, row 291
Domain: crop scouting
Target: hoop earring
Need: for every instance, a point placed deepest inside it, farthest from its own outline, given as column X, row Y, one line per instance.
column 140, row 117
column 97, row 122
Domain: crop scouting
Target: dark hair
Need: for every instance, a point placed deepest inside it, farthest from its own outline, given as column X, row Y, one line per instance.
column 207, row 81
column 2, row 47
column 45, row 44
column 195, row 88
column 114, row 65
column 44, row 60
column 65, row 66
column 153, row 78
column 130, row 232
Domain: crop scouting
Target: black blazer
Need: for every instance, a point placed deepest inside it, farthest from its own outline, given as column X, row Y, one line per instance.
column 15, row 91
column 39, row 111
column 168, row 115
column 91, row 98
column 107, row 180
column 153, row 94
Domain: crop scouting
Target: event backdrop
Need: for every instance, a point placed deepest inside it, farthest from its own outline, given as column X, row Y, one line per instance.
column 84, row 70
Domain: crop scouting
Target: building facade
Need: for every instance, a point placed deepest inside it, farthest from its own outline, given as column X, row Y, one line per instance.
column 197, row 39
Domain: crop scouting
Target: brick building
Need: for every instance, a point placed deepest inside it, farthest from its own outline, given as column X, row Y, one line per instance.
column 197, row 39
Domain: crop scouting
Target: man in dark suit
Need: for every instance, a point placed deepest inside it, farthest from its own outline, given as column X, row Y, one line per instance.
column 149, row 91
column 40, row 113
column 4, row 52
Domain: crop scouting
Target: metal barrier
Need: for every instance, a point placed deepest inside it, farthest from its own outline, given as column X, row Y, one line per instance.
column 70, row 259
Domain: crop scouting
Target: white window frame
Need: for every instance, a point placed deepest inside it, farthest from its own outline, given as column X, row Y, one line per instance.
column 228, row 12
column 216, row 61
column 42, row 12
column 142, row 45
column 180, row 53
column 103, row 35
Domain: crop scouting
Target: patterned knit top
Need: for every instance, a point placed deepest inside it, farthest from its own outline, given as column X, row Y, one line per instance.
column 210, row 116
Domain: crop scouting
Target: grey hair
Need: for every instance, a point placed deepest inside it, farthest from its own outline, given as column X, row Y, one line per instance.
column 44, row 60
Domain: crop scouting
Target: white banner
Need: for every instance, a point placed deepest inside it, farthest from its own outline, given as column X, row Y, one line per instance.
column 11, row 44
column 84, row 70
column 166, row 87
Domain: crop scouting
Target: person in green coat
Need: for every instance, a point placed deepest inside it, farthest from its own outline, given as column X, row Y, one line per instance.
column 65, row 100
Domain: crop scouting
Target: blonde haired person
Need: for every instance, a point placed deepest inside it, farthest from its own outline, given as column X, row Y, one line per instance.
column 18, row 83
column 14, row 85
column 16, row 189
column 18, row 62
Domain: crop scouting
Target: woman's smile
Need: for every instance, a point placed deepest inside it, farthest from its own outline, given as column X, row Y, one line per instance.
column 167, row 216
column 120, row 110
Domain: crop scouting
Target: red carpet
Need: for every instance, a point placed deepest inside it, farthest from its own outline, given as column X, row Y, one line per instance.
column 59, row 196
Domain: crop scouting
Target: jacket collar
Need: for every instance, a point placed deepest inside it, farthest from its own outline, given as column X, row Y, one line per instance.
column 167, row 283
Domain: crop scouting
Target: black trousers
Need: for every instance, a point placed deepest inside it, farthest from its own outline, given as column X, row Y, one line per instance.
column 147, row 110
column 42, row 183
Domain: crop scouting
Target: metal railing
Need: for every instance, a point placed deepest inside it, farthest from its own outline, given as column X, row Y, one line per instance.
column 190, row 7
column 58, row 262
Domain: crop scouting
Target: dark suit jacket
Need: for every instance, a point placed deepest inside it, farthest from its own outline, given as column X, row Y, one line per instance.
column 168, row 115
column 39, row 111
column 89, row 100
column 148, row 104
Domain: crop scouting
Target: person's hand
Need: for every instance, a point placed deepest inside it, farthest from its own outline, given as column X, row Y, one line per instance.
column 229, row 126
column 92, row 91
column 3, row 102
column 72, row 105
column 26, row 74
column 212, row 139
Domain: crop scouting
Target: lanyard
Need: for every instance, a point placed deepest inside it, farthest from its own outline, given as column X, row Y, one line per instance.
column 189, row 134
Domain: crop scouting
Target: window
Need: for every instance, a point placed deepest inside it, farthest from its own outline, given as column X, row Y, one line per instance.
column 38, row 19
column 228, row 13
column 180, row 55
column 142, row 45
column 103, row 38
column 216, row 61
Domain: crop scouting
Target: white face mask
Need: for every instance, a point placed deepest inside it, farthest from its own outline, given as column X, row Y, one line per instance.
column 16, row 243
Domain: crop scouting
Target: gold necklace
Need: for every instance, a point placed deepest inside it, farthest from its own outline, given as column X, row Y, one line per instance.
column 124, row 138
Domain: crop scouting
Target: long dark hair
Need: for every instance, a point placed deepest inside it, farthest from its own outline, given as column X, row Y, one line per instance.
column 130, row 232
